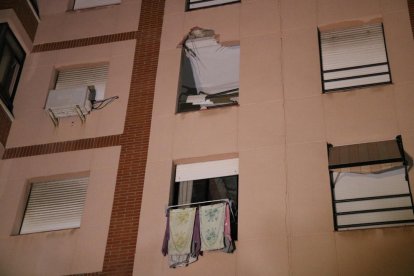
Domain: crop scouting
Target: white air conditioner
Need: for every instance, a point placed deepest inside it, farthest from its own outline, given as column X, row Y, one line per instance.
column 85, row 4
column 69, row 102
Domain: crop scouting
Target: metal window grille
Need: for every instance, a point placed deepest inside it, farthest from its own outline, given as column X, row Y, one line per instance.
column 370, row 186
column 354, row 57
column 55, row 205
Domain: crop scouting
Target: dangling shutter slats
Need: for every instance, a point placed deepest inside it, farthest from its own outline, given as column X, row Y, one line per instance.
column 196, row 4
column 55, row 205
column 354, row 57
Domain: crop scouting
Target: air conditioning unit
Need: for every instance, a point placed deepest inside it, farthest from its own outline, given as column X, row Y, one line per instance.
column 68, row 102
column 86, row 4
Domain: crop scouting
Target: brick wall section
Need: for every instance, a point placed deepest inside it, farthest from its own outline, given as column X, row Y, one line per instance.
column 84, row 42
column 24, row 13
column 411, row 11
column 5, row 124
column 82, row 144
column 123, row 229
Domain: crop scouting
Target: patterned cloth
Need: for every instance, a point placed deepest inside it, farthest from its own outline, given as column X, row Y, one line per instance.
column 181, row 231
column 228, row 241
column 212, row 226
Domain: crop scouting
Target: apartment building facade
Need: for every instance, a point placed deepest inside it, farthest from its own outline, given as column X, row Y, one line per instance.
column 297, row 113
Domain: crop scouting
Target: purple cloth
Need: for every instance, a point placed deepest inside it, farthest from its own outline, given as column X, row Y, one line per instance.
column 196, row 244
column 164, row 249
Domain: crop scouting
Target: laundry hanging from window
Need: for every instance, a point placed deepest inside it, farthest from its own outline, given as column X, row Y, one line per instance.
column 191, row 231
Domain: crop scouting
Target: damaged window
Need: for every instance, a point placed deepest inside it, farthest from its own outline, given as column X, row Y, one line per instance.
column 199, row 4
column 209, row 74
column 370, row 185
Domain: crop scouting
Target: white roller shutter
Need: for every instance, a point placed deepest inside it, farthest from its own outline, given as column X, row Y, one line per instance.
column 55, row 205
column 96, row 75
column 196, row 4
column 205, row 170
column 354, row 57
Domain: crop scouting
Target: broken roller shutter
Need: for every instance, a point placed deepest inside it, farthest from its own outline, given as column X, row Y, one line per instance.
column 354, row 57
column 55, row 205
column 197, row 4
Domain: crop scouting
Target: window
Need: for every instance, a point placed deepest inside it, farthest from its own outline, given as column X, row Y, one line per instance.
column 12, row 57
column 212, row 180
column 354, row 57
column 199, row 4
column 209, row 74
column 54, row 205
column 370, row 186
column 85, row 4
column 75, row 77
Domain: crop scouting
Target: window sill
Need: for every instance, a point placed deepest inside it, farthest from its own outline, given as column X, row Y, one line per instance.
column 187, row 9
column 210, row 108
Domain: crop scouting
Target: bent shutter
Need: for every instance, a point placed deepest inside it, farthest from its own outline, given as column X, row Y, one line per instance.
column 354, row 57
column 55, row 205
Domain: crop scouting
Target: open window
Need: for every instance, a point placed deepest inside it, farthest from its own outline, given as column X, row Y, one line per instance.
column 200, row 4
column 370, row 186
column 209, row 74
column 12, row 57
column 353, row 57
column 54, row 205
column 208, row 181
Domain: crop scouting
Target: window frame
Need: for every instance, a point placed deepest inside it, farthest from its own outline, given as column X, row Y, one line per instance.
column 186, row 68
column 348, row 88
column 7, row 99
column 28, row 195
column 175, row 186
column 188, row 9
column 378, row 224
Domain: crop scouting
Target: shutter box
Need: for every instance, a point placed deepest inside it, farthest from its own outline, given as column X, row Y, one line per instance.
column 86, row 4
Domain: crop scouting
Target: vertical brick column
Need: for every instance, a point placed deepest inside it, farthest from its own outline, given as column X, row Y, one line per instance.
column 123, row 229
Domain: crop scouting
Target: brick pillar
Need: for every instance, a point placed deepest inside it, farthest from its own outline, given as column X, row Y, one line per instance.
column 123, row 229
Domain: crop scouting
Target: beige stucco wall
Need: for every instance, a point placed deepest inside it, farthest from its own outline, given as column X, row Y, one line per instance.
column 280, row 131
column 59, row 23
column 61, row 252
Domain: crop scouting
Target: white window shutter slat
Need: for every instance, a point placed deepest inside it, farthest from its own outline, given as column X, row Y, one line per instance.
column 55, row 205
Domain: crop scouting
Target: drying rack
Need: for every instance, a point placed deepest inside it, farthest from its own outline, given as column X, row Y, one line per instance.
column 225, row 200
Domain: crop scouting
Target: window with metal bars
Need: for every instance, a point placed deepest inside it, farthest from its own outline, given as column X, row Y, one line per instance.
column 54, row 205
column 200, row 4
column 370, row 185
column 354, row 57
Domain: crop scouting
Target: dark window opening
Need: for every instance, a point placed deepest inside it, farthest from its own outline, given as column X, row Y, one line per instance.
column 209, row 189
column 12, row 58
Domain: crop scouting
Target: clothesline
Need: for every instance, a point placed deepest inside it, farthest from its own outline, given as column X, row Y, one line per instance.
column 224, row 200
